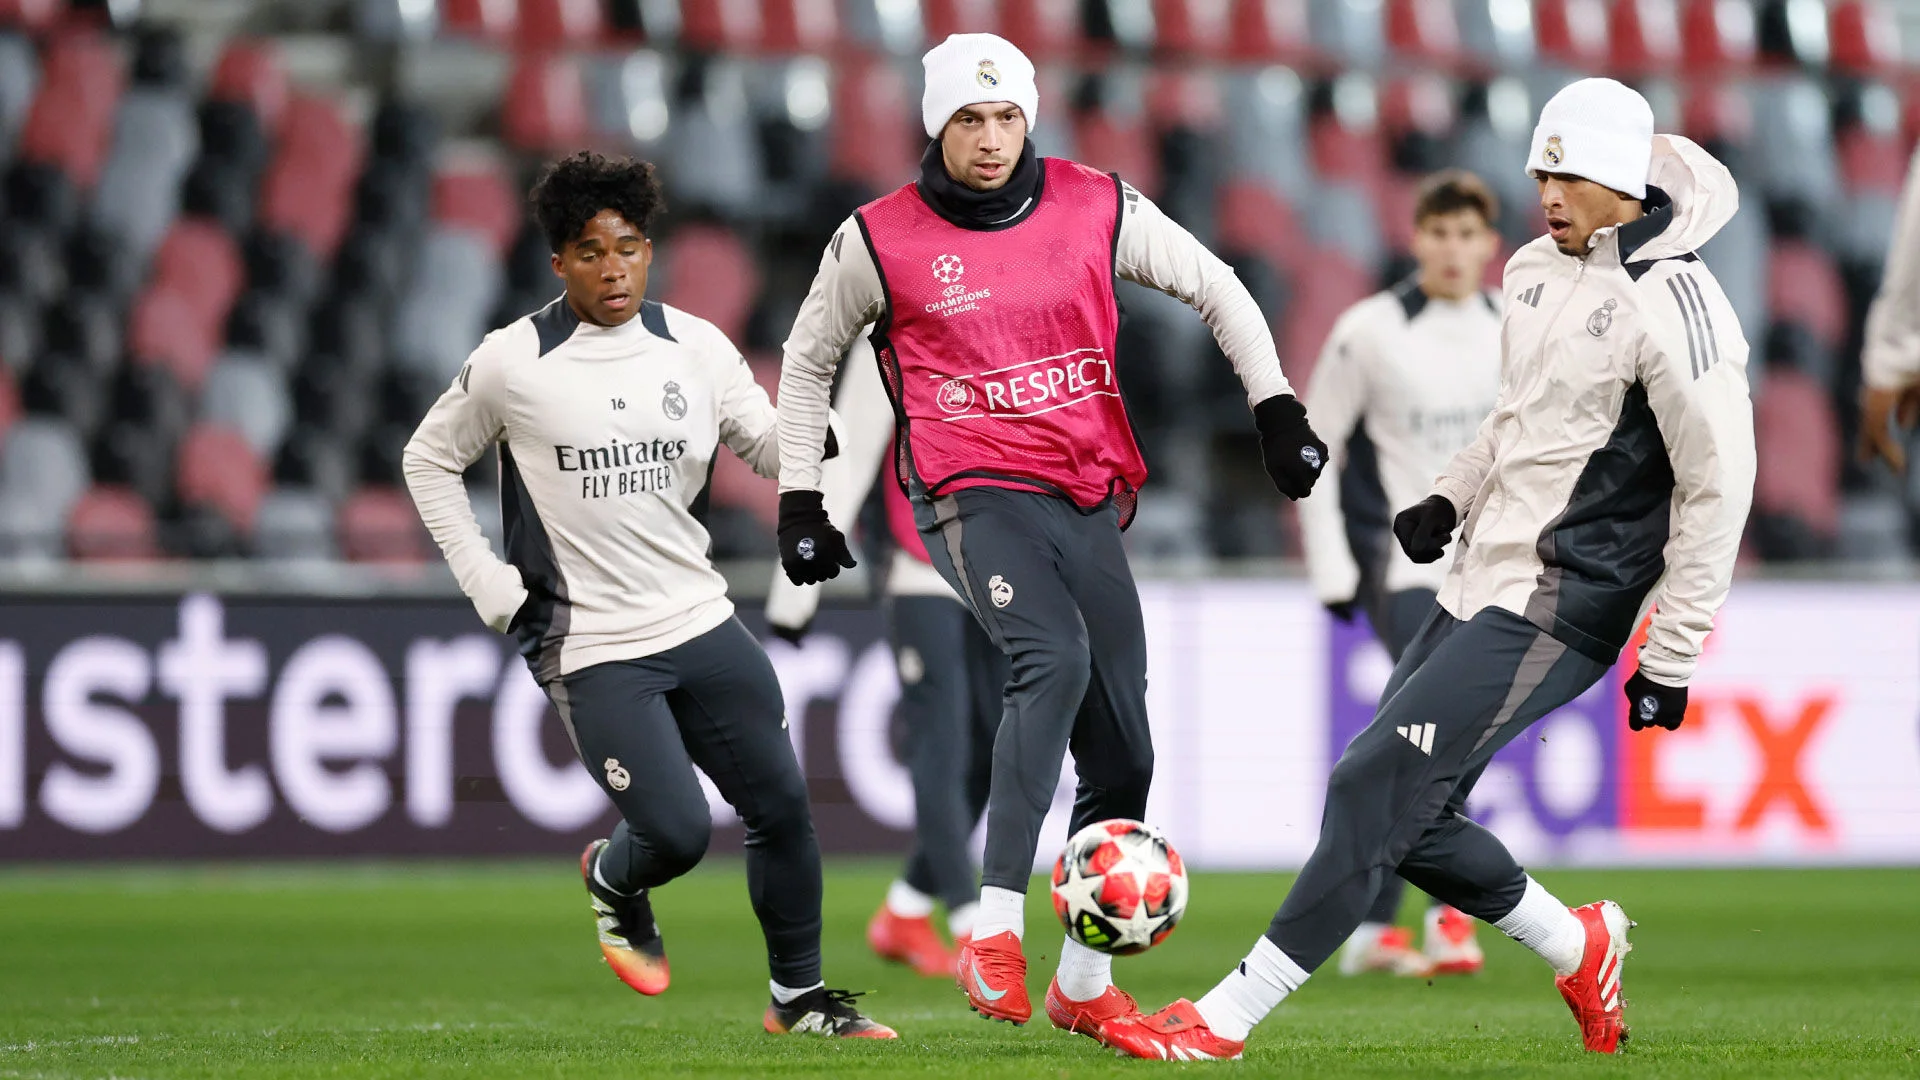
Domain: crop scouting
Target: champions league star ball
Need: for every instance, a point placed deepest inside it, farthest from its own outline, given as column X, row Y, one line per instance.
column 1119, row 887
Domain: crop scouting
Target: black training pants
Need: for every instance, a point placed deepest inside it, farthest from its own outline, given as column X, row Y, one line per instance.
column 640, row 726
column 1462, row 691
column 1052, row 587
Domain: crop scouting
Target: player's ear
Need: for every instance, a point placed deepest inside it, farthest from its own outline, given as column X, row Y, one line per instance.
column 559, row 269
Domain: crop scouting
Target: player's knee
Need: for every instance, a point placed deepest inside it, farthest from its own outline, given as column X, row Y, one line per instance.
column 778, row 803
column 680, row 844
column 1059, row 666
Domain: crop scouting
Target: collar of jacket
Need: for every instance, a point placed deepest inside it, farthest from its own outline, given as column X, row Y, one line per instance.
column 1656, row 215
column 983, row 211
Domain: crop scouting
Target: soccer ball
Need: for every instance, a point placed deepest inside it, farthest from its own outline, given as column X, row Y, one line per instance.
column 1119, row 887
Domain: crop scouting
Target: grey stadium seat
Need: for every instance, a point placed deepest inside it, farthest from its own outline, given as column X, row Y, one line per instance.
column 156, row 138
column 1738, row 258
column 19, row 80
column 248, row 394
column 294, row 523
column 1343, row 216
column 714, row 151
column 457, row 280
column 44, row 460
column 1266, row 113
column 30, row 529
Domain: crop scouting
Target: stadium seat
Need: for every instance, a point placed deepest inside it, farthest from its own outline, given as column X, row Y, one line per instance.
column 709, row 272
column 1254, row 219
column 718, row 26
column 944, row 17
column 1417, row 117
column 1200, row 29
column 1866, row 229
column 1326, row 284
column 799, row 26
column 1644, row 36
column 294, row 523
column 136, row 457
column 316, row 459
column 9, row 401
column 444, row 313
column 1864, row 37
column 1805, row 287
column 876, row 129
column 379, row 525
column 1113, row 143
column 1496, row 35
column 552, row 24
column 149, row 397
column 885, row 28
column 29, row 14
column 70, row 124
column 1792, row 120
column 217, row 468
column 1044, row 29
column 1271, row 31
column 169, row 330
column 281, row 267
column 1793, row 31
column 19, row 330
column 249, row 73
column 487, row 20
column 245, row 393
column 19, row 80
column 57, row 386
column 274, row 327
column 1348, row 33
column 1347, row 142
column 156, row 139
column 629, row 97
column 307, row 189
column 1871, row 149
column 44, row 461
column 199, row 262
column 31, row 531
column 1797, row 441
column 1573, row 32
column 112, row 524
column 87, row 329
column 545, row 109
column 1267, row 130
column 1424, row 30
column 1717, row 36
column 713, row 159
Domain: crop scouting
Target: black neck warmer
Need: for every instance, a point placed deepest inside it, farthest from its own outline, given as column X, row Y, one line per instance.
column 960, row 205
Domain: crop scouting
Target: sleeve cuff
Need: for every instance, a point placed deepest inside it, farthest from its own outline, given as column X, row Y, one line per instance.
column 1664, row 668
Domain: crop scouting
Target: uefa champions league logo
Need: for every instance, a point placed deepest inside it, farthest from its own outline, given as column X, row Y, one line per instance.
column 805, row 548
column 955, row 396
column 1311, row 456
column 947, row 269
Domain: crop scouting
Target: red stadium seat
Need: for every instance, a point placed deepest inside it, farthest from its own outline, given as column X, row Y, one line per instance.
column 1424, row 30
column 1717, row 35
column 710, row 273
column 9, row 398
column 29, row 14
column 1645, row 36
column 216, row 467
column 1797, row 445
column 1572, row 31
column 1254, row 218
column 1200, row 28
column 1872, row 161
column 379, row 525
column 545, row 108
column 70, row 124
column 556, row 23
column 199, row 262
column 1804, row 286
column 249, row 73
column 1327, row 285
column 944, row 17
column 476, row 196
column 308, row 191
column 112, row 524
column 1423, row 104
column 1347, row 152
column 720, row 25
column 169, row 330
column 1127, row 147
column 1396, row 200
column 1718, row 112
column 488, row 20
column 876, row 129
column 1864, row 37
column 1044, row 29
column 799, row 26
column 1271, row 31
column 1177, row 97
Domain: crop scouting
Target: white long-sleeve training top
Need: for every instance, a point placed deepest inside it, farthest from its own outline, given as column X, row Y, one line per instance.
column 1402, row 384
column 1890, row 357
column 847, row 295
column 607, row 437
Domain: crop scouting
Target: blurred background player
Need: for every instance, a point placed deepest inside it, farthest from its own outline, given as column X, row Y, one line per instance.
column 990, row 283
column 1616, row 469
column 1402, row 384
column 607, row 409
column 1890, row 353
column 951, row 679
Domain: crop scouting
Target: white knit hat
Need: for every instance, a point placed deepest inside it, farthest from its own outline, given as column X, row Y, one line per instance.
column 1599, row 130
column 968, row 69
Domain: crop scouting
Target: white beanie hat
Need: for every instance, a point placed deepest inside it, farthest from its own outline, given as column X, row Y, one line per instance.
column 1599, row 130
column 968, row 69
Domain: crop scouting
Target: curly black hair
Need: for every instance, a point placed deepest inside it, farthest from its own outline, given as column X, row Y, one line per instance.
column 573, row 190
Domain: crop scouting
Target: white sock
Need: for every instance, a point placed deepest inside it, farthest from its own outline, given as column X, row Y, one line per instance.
column 1245, row 997
column 785, row 994
column 1001, row 910
column 1084, row 973
column 960, row 920
column 908, row 902
column 1366, row 936
column 1542, row 923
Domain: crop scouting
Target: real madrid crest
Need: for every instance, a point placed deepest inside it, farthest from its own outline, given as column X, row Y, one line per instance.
column 674, row 403
column 1601, row 320
column 1554, row 153
column 987, row 75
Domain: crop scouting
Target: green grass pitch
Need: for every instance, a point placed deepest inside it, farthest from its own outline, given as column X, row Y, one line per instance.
column 484, row 970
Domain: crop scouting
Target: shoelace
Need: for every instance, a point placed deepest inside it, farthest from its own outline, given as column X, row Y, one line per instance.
column 838, row 1005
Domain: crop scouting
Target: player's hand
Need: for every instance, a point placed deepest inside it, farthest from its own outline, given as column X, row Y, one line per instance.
column 1424, row 528
column 499, row 597
column 1289, row 449
column 1650, row 704
column 1343, row 609
column 811, row 549
column 1886, row 418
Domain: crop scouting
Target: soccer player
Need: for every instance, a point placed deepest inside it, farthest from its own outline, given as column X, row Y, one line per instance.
column 1890, row 358
column 607, row 409
column 951, row 677
column 1402, row 384
column 989, row 284
column 1616, row 469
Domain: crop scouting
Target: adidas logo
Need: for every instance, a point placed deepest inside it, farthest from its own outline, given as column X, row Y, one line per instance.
column 1531, row 297
column 1420, row 735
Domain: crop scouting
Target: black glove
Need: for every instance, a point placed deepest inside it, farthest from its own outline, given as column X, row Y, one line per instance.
column 1289, row 449
column 792, row 635
column 811, row 549
column 1651, row 705
column 1424, row 528
column 1343, row 609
